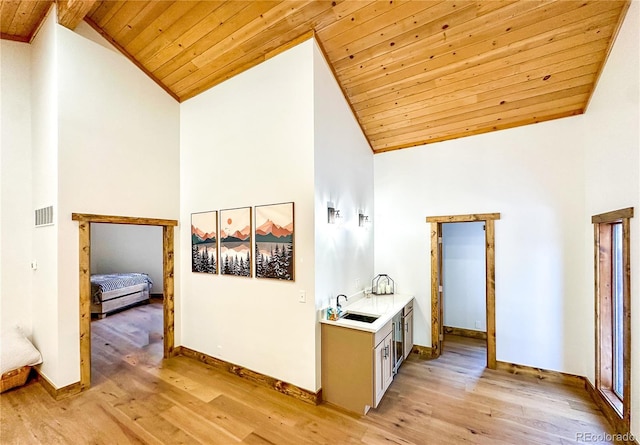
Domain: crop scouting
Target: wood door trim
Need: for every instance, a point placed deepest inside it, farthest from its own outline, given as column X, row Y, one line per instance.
column 613, row 216
column 84, row 253
column 435, row 304
column 464, row 218
column 436, row 227
column 111, row 219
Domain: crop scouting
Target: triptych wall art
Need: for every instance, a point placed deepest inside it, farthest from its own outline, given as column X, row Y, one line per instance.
column 235, row 242
column 204, row 242
column 273, row 254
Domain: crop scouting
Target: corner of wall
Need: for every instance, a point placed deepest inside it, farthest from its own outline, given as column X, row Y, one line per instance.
column 343, row 175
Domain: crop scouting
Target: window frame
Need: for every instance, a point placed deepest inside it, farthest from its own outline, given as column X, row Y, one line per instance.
column 618, row 409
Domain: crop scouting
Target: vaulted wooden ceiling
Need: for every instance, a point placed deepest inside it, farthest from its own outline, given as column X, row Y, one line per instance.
column 413, row 72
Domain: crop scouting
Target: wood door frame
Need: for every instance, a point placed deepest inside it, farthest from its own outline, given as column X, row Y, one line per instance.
column 436, row 304
column 84, row 228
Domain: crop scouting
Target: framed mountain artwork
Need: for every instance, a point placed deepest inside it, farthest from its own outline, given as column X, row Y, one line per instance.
column 235, row 242
column 204, row 242
column 274, row 234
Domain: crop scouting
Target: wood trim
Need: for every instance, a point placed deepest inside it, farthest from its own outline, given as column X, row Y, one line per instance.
column 542, row 374
column 58, row 393
column 344, row 92
column 613, row 216
column 612, row 41
column 435, row 284
column 133, row 60
column 84, row 257
column 490, row 266
column 84, row 260
column 463, row 218
column 123, row 220
column 602, row 310
column 596, row 293
column 436, row 306
column 314, row 398
column 619, row 425
column 22, row 39
column 71, row 12
column 462, row 332
column 423, row 352
column 168, row 302
column 626, row 321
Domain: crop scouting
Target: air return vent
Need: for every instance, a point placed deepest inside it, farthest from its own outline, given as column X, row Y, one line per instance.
column 44, row 216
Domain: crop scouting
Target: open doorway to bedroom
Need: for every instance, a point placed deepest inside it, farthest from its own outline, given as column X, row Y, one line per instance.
column 150, row 314
column 126, row 297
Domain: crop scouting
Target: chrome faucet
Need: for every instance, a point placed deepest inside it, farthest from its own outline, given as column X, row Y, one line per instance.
column 338, row 305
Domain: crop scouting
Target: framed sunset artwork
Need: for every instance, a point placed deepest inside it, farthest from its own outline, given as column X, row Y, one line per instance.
column 204, row 244
column 274, row 234
column 235, row 242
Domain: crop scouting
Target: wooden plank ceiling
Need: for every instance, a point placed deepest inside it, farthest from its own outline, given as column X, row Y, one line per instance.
column 414, row 72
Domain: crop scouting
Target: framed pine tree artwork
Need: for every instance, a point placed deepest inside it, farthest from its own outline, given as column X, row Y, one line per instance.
column 274, row 246
column 235, row 242
column 204, row 242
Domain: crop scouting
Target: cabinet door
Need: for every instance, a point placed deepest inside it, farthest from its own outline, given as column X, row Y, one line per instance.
column 383, row 360
column 408, row 334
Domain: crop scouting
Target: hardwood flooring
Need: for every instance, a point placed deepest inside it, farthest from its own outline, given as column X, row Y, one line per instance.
column 138, row 398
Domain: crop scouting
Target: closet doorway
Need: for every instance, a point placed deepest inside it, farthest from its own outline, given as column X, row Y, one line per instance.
column 450, row 227
column 84, row 228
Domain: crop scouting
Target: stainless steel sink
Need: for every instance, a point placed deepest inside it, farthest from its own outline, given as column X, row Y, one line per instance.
column 360, row 317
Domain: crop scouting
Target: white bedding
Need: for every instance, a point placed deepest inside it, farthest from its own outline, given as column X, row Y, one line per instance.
column 16, row 350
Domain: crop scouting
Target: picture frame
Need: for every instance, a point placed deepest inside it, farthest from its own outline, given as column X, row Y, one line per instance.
column 235, row 235
column 204, row 242
column 274, row 236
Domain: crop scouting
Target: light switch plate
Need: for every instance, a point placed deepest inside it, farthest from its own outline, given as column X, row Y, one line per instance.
column 302, row 297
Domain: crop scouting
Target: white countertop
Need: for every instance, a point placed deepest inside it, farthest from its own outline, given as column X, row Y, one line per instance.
column 384, row 306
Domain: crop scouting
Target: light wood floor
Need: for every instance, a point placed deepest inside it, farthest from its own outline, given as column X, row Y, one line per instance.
column 138, row 398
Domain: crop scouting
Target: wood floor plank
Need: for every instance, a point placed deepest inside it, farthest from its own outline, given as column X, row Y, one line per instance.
column 137, row 397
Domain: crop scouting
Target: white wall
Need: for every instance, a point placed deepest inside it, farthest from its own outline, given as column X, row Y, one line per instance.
column 523, row 173
column 121, row 248
column 44, row 136
column 343, row 165
column 463, row 275
column 612, row 148
column 16, row 213
column 118, row 155
column 249, row 141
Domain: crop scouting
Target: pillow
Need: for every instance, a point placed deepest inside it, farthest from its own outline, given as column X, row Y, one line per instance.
column 16, row 350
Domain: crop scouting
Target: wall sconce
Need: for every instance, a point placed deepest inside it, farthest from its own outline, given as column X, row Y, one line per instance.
column 332, row 214
column 362, row 220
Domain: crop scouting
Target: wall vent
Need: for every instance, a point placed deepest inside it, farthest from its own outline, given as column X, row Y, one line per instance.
column 44, row 216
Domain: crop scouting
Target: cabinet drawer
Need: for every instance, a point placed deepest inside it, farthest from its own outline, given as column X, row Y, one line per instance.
column 408, row 308
column 382, row 333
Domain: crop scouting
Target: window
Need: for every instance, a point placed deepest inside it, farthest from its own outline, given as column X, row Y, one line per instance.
column 613, row 330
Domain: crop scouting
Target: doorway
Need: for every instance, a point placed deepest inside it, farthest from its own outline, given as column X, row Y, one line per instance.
column 437, row 280
column 463, row 280
column 84, row 228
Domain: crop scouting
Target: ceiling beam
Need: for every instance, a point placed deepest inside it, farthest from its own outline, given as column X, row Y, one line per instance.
column 71, row 12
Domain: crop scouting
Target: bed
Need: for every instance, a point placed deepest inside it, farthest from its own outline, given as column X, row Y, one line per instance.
column 111, row 292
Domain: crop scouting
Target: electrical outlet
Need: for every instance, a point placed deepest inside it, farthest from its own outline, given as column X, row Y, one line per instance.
column 302, row 297
column 357, row 283
column 478, row 324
